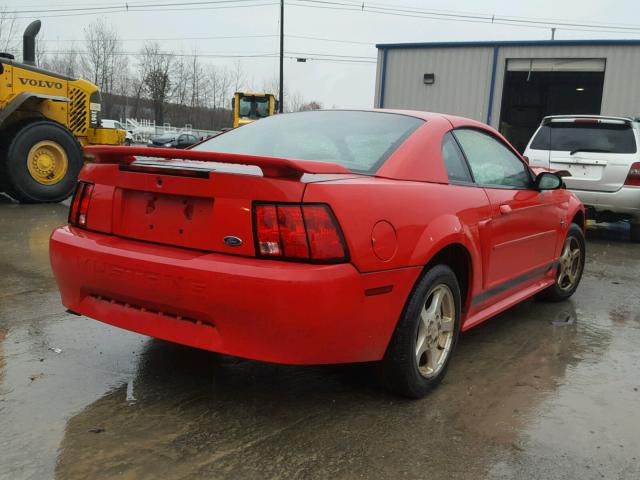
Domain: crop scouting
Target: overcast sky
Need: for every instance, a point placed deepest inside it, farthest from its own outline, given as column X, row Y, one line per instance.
column 334, row 84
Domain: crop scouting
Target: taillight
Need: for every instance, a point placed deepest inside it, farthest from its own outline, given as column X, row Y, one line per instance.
column 268, row 231
column 80, row 204
column 633, row 178
column 324, row 239
column 298, row 232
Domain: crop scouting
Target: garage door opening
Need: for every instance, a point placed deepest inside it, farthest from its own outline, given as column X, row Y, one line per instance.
column 535, row 88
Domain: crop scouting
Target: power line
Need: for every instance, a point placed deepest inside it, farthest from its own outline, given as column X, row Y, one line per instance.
column 330, row 40
column 463, row 17
column 337, row 58
column 333, row 55
column 169, row 38
column 130, row 6
column 332, row 60
column 223, row 37
column 171, row 54
column 139, row 10
column 370, row 7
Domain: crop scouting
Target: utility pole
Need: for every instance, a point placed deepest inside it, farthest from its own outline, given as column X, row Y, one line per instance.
column 553, row 33
column 281, row 104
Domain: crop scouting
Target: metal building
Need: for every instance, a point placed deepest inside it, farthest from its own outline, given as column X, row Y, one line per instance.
column 511, row 85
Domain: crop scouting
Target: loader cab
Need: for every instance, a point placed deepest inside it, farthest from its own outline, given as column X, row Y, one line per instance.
column 249, row 107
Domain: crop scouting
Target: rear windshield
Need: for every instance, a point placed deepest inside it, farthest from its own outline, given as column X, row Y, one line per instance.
column 359, row 141
column 570, row 137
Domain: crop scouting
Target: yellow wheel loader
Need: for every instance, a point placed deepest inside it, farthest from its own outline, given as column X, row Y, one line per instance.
column 45, row 120
column 248, row 107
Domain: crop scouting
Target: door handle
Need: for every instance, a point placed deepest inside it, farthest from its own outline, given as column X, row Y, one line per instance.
column 505, row 209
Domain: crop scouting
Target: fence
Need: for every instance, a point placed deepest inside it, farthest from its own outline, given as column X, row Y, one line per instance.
column 143, row 130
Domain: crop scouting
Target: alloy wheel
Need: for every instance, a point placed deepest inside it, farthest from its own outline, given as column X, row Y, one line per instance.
column 570, row 264
column 435, row 331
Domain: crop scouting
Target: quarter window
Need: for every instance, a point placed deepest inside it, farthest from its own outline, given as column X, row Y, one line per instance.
column 454, row 161
column 492, row 163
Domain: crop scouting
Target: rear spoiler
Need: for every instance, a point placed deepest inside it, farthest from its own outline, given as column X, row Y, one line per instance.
column 587, row 119
column 271, row 167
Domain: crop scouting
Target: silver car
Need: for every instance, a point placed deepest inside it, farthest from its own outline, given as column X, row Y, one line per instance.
column 601, row 154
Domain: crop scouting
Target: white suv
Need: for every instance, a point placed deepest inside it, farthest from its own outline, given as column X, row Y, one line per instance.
column 601, row 154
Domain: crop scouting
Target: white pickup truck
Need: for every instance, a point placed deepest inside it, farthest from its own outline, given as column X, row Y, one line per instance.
column 601, row 154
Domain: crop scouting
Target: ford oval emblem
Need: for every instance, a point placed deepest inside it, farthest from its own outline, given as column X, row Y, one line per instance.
column 232, row 241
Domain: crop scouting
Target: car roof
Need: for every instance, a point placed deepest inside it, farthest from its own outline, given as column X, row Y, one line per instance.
column 429, row 115
column 407, row 162
column 595, row 117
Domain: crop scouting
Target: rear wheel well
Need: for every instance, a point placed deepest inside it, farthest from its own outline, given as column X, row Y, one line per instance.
column 458, row 259
column 578, row 219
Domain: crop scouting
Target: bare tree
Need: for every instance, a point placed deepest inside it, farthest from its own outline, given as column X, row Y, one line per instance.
column 8, row 38
column 238, row 76
column 180, row 81
column 155, row 72
column 40, row 50
column 197, row 81
column 103, row 58
column 273, row 86
column 220, row 82
column 137, row 89
column 312, row 105
column 65, row 62
column 297, row 103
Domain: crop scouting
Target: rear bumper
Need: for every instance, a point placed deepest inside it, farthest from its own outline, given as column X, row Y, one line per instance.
column 265, row 310
column 625, row 201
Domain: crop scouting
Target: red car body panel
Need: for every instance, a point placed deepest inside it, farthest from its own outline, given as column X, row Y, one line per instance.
column 152, row 257
column 275, row 311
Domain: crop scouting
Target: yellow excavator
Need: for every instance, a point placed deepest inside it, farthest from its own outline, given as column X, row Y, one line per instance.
column 251, row 106
column 45, row 120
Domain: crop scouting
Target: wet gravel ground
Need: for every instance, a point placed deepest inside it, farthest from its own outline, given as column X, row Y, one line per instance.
column 542, row 391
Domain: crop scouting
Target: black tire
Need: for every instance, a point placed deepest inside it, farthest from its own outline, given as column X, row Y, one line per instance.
column 18, row 182
column 555, row 293
column 400, row 370
column 635, row 232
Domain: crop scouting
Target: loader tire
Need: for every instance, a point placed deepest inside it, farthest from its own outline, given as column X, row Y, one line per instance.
column 41, row 162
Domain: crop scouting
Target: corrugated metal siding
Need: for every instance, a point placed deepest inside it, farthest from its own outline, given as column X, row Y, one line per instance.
column 461, row 86
column 376, row 100
column 620, row 96
column 463, row 77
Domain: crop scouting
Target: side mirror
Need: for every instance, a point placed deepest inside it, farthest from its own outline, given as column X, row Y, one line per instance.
column 526, row 159
column 548, row 181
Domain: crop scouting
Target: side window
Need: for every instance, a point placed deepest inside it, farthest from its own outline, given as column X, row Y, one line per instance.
column 454, row 161
column 492, row 164
column 542, row 140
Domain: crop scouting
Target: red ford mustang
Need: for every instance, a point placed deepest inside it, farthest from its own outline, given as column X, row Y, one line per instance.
column 320, row 237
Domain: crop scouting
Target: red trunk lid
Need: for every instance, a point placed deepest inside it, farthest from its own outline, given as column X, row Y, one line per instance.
column 187, row 203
